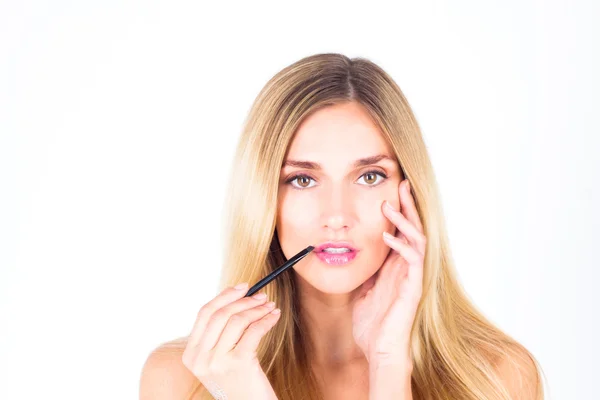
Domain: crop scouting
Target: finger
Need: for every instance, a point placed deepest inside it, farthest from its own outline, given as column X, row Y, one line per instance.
column 398, row 279
column 237, row 324
column 398, row 233
column 414, row 275
column 402, row 237
column 382, row 290
column 409, row 208
column 227, row 296
column 409, row 253
column 410, row 286
column 383, row 273
column 249, row 341
column 367, row 285
column 407, row 228
column 388, row 290
column 219, row 319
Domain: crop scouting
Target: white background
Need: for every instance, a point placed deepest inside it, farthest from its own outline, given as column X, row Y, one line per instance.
column 118, row 122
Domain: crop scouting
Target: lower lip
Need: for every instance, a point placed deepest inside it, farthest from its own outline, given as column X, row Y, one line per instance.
column 336, row 259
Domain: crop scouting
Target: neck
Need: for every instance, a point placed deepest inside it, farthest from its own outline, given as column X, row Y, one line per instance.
column 327, row 319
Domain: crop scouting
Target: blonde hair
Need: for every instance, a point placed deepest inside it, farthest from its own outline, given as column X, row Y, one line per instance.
column 455, row 348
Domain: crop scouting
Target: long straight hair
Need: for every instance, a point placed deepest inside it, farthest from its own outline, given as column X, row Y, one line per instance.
column 455, row 349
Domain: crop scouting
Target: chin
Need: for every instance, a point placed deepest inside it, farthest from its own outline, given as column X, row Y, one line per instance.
column 333, row 279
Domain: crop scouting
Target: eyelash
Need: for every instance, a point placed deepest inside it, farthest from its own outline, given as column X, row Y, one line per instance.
column 290, row 180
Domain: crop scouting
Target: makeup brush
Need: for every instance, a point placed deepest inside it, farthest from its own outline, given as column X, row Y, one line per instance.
column 263, row 282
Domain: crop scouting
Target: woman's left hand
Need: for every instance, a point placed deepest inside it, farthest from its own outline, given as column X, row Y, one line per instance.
column 384, row 313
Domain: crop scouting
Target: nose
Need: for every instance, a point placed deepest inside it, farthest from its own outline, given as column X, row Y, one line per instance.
column 338, row 210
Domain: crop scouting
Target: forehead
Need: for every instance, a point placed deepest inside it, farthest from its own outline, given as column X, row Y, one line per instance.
column 343, row 131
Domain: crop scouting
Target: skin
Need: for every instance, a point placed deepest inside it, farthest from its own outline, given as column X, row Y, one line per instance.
column 339, row 202
column 359, row 316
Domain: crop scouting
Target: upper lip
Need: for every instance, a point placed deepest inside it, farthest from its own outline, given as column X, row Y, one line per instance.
column 322, row 246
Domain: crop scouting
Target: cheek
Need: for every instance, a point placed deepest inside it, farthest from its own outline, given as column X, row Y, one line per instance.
column 394, row 199
column 300, row 216
column 295, row 225
column 294, row 216
column 373, row 223
column 297, row 216
column 372, row 217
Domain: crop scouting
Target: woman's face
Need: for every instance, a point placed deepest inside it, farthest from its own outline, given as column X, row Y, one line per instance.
column 337, row 200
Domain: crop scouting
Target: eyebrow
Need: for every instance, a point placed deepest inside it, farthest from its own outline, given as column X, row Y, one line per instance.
column 358, row 163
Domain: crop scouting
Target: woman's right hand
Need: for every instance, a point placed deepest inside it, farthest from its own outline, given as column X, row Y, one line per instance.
column 221, row 350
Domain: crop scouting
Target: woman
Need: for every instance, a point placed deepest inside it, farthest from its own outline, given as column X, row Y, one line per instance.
column 328, row 143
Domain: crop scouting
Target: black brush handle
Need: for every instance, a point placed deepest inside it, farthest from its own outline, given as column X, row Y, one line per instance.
column 263, row 282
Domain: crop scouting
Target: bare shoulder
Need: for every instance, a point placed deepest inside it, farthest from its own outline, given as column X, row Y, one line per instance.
column 520, row 374
column 164, row 376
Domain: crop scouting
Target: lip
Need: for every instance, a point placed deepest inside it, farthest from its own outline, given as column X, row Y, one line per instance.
column 336, row 259
column 319, row 248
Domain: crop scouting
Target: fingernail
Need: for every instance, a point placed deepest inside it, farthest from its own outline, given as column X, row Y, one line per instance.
column 241, row 286
column 276, row 311
column 407, row 186
column 387, row 235
column 259, row 296
column 389, row 206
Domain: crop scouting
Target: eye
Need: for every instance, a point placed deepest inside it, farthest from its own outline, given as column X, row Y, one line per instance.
column 372, row 174
column 295, row 177
column 307, row 178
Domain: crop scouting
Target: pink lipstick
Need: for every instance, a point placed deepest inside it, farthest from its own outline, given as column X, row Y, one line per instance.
column 336, row 253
